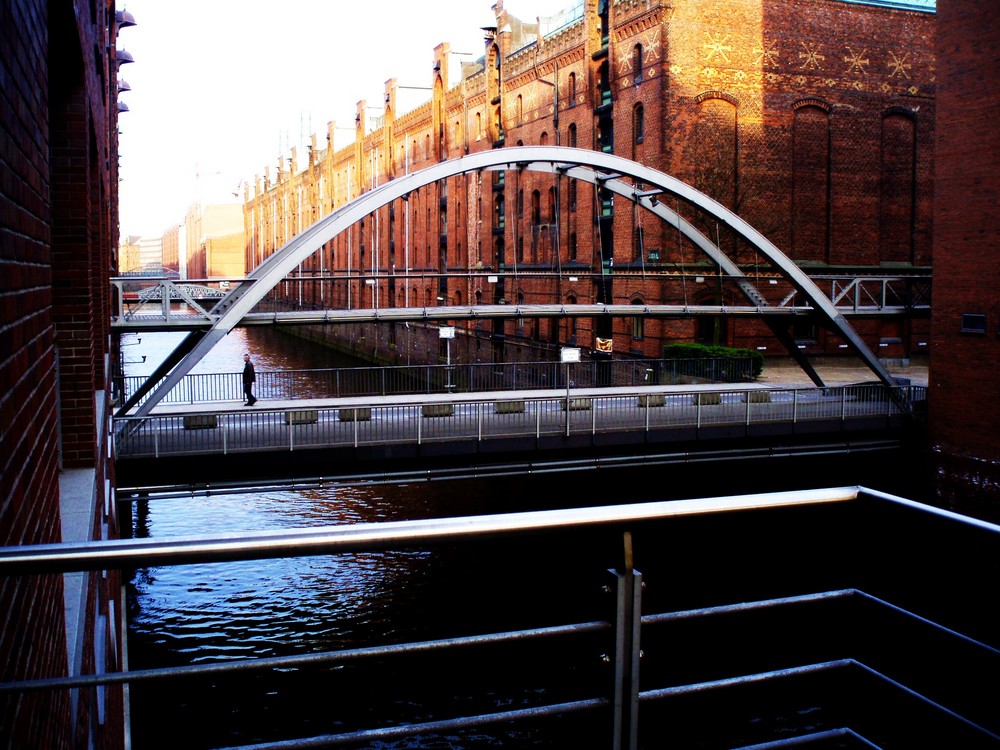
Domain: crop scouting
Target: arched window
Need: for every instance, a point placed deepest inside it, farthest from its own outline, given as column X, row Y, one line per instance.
column 543, row 140
column 638, row 324
column 519, row 112
column 637, row 63
column 479, row 126
column 572, row 195
column 572, row 89
column 536, row 207
column 811, row 181
column 638, row 123
column 499, row 211
column 572, row 135
column 552, row 205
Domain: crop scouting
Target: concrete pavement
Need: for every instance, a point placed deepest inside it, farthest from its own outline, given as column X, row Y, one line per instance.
column 837, row 371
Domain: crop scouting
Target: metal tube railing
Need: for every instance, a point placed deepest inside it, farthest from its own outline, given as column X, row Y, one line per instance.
column 473, row 377
column 624, row 623
column 354, row 422
column 131, row 553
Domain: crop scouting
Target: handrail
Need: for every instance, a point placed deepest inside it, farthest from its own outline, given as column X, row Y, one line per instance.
column 129, row 553
column 479, row 417
column 620, row 704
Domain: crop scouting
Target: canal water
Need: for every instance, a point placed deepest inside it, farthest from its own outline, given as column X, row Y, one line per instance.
column 201, row 614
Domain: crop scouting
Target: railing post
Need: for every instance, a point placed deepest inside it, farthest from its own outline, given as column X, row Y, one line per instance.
column 795, row 407
column 628, row 618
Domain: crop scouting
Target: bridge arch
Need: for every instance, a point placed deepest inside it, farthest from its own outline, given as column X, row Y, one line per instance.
column 600, row 169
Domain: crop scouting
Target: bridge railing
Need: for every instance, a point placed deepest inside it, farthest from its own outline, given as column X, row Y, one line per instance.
column 457, row 378
column 524, row 415
column 824, row 616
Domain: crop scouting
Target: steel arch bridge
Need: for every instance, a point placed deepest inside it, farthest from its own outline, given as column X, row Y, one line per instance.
column 612, row 173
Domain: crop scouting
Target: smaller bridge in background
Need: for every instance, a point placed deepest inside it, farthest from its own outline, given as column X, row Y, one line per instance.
column 225, row 441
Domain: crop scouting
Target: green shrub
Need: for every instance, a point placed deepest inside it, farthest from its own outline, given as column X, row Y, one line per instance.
column 718, row 353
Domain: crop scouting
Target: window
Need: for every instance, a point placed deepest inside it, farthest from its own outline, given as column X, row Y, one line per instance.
column 638, row 123
column 572, row 135
column 572, row 246
column 637, row 63
column 638, row 324
column 536, row 208
column 520, row 110
column 572, row 89
column 572, row 195
column 973, row 323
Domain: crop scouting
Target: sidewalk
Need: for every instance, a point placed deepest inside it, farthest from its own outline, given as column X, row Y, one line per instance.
column 834, row 372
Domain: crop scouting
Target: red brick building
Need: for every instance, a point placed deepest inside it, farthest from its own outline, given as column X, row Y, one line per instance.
column 814, row 120
column 59, row 212
column 964, row 397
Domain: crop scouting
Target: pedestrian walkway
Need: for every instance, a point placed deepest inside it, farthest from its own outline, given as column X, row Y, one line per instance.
column 837, row 372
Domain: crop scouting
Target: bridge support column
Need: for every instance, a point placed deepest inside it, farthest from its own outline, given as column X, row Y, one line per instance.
column 627, row 587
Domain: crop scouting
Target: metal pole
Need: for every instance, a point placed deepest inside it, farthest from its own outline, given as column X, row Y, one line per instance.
column 567, row 399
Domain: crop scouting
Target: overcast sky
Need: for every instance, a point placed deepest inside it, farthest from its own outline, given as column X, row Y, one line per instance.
column 221, row 88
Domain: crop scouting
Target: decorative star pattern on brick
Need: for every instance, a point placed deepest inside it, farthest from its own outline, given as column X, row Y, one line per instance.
column 811, row 57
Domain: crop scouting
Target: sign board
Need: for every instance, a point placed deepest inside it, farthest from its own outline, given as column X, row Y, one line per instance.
column 492, row 279
column 446, row 332
column 569, row 354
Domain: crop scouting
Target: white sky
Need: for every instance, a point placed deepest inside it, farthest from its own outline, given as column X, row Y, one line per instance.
column 221, row 88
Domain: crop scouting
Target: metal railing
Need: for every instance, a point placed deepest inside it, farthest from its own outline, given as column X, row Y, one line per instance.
column 770, row 620
column 458, row 378
column 357, row 422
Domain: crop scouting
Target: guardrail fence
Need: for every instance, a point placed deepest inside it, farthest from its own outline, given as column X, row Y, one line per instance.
column 457, row 378
column 840, row 615
column 579, row 412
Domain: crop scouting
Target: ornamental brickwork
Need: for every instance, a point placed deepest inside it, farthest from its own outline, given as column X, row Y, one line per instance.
column 812, row 119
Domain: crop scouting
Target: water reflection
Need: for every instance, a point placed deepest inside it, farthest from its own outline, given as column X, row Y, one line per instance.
column 198, row 614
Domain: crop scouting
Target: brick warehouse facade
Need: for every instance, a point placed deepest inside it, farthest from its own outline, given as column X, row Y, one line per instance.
column 59, row 212
column 812, row 119
column 964, row 399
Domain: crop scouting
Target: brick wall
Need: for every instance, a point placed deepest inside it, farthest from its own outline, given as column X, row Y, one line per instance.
column 964, row 398
column 56, row 235
column 813, row 119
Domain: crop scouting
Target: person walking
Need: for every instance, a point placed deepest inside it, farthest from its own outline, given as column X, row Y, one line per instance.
column 249, row 377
